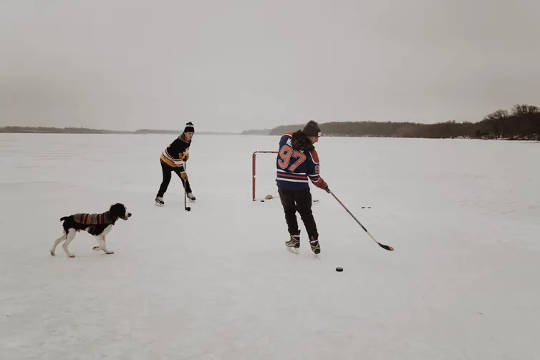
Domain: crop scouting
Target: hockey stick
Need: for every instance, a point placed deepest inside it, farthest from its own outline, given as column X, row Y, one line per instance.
column 187, row 208
column 385, row 247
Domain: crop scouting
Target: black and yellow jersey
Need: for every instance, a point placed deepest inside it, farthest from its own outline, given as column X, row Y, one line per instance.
column 176, row 153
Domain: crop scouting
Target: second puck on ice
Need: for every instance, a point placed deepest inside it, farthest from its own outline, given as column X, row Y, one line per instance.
column 188, row 208
column 339, row 269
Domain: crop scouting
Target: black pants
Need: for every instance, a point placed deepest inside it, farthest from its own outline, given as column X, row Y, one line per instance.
column 166, row 169
column 298, row 200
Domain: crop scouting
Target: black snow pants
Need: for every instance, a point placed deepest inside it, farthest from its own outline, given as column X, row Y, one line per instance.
column 298, row 200
column 166, row 169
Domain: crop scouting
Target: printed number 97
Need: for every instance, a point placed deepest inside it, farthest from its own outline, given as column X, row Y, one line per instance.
column 285, row 155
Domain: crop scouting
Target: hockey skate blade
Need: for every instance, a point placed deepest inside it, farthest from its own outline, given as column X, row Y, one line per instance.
column 293, row 250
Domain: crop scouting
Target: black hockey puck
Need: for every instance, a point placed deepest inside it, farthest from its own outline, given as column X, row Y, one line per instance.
column 188, row 208
column 262, row 200
column 339, row 269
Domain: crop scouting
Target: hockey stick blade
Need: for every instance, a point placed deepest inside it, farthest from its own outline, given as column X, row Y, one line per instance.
column 386, row 247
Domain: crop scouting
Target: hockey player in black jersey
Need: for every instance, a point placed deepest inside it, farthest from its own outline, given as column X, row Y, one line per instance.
column 173, row 159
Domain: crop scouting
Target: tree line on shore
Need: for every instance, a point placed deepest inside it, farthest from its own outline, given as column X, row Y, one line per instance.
column 521, row 123
column 74, row 130
column 55, row 130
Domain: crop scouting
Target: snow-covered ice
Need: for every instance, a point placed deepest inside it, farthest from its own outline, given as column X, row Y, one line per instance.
column 218, row 283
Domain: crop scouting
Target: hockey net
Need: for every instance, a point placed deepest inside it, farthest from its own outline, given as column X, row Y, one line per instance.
column 263, row 174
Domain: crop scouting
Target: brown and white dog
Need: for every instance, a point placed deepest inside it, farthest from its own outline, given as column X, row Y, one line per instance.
column 98, row 225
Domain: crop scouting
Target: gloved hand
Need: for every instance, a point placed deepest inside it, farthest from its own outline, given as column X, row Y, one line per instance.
column 327, row 189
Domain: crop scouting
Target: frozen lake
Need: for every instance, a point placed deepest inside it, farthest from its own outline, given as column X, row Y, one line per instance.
column 218, row 283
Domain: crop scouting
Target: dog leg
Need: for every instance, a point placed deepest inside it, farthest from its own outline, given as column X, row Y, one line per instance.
column 71, row 234
column 57, row 241
column 102, row 245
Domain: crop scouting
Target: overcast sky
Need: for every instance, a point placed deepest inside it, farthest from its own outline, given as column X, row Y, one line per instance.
column 236, row 65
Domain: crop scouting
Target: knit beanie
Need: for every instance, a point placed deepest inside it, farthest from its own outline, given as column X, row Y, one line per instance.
column 189, row 127
column 312, row 129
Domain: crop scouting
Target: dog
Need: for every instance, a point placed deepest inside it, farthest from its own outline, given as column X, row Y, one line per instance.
column 98, row 225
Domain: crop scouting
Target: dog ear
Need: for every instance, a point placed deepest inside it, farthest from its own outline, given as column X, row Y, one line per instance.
column 117, row 209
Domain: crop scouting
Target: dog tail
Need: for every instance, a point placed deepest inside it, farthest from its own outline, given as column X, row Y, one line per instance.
column 63, row 218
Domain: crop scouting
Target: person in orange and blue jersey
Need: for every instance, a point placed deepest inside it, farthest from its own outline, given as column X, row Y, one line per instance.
column 298, row 161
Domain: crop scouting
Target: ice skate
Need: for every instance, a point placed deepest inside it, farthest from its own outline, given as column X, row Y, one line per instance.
column 315, row 247
column 159, row 201
column 293, row 242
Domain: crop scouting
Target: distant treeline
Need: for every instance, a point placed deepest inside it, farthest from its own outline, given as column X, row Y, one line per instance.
column 258, row 131
column 55, row 130
column 73, row 130
column 521, row 123
column 153, row 131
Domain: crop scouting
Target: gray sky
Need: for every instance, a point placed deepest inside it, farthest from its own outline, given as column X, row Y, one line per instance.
column 236, row 65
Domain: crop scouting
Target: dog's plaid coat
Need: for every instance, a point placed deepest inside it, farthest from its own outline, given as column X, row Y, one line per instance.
column 94, row 219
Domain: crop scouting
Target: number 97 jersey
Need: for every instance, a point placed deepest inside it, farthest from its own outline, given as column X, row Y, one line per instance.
column 294, row 167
